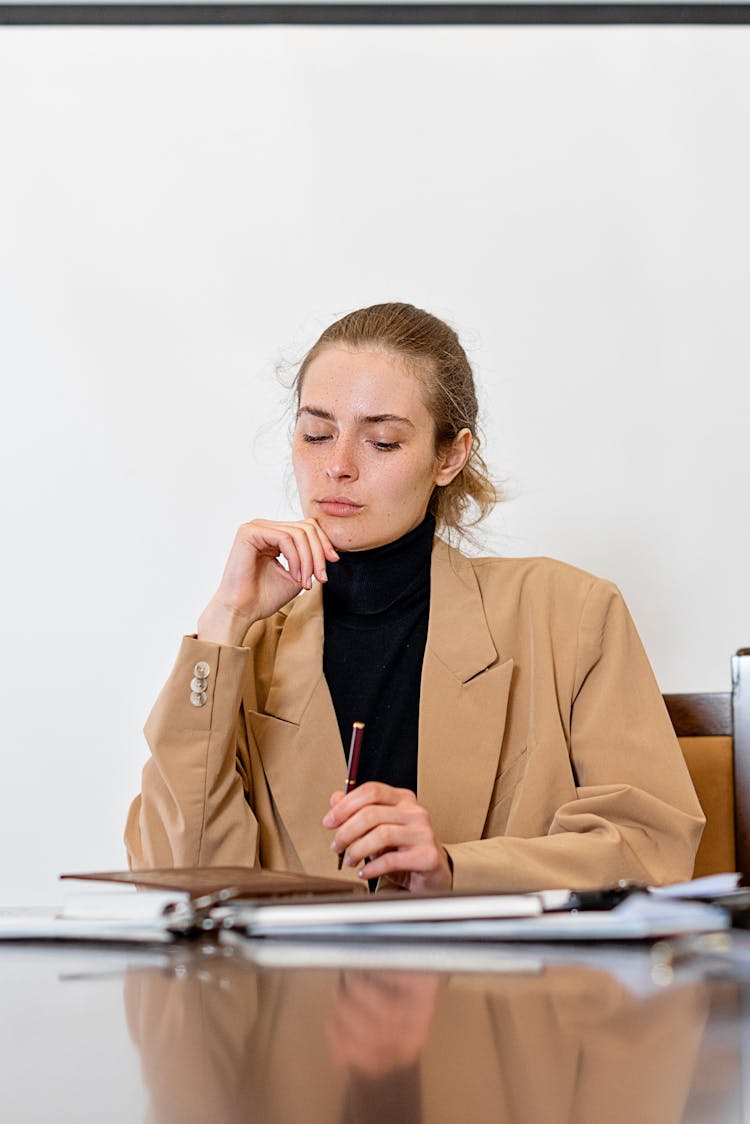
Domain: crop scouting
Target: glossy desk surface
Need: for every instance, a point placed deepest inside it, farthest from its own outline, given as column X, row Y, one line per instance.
column 279, row 1035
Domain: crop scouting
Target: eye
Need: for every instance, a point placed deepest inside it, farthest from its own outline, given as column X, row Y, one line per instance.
column 314, row 437
column 386, row 446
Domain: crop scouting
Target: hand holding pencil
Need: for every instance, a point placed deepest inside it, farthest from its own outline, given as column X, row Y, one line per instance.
column 384, row 831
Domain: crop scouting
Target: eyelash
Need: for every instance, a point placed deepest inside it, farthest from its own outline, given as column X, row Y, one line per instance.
column 381, row 446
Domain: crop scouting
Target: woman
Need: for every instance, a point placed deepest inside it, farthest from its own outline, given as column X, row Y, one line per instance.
column 515, row 736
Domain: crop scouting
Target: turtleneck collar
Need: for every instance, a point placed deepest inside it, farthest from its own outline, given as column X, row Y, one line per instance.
column 367, row 582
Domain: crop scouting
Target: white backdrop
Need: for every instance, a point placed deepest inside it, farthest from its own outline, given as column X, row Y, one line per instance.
column 183, row 209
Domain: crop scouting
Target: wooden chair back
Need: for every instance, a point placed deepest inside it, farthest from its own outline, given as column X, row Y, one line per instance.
column 714, row 732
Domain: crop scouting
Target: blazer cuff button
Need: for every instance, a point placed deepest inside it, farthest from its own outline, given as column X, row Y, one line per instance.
column 198, row 698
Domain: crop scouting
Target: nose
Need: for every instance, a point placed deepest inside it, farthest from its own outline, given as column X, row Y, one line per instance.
column 342, row 463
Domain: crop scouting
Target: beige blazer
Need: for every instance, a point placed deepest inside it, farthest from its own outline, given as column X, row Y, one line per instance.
column 546, row 755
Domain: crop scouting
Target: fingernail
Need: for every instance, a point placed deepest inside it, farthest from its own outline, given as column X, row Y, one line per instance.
column 333, row 846
column 349, row 860
column 328, row 819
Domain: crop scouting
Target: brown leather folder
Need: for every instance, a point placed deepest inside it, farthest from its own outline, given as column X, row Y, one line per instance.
column 227, row 882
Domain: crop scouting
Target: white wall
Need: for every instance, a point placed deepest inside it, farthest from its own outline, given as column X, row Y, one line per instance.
column 180, row 208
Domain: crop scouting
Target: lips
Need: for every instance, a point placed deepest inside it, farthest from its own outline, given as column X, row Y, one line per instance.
column 339, row 505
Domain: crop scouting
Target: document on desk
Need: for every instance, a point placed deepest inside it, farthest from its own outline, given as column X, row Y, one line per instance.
column 380, row 909
column 639, row 917
column 266, row 904
column 119, row 917
column 711, row 886
column 167, row 904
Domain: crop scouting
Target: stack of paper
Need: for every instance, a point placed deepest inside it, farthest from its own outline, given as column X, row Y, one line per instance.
column 490, row 917
column 124, row 916
column 264, row 904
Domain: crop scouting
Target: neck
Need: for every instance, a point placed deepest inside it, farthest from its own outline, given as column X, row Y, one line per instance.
column 373, row 581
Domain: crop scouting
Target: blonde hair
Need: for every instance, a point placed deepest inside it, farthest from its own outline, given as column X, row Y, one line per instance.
column 433, row 350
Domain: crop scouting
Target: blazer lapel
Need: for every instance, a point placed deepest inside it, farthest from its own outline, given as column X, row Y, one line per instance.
column 298, row 736
column 462, row 711
column 463, row 702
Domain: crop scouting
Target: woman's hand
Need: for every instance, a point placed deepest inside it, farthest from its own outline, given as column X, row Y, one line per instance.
column 381, row 1020
column 385, row 829
column 255, row 584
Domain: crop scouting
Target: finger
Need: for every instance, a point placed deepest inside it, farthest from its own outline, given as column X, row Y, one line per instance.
column 396, row 863
column 304, row 549
column 284, row 539
column 421, row 860
column 372, row 792
column 381, row 841
column 369, row 819
column 328, row 548
column 317, row 549
column 328, row 821
column 283, row 543
column 287, row 575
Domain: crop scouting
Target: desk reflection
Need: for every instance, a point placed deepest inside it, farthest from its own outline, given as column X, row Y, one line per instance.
column 223, row 1040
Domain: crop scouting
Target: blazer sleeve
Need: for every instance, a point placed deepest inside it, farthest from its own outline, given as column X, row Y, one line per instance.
column 635, row 814
column 195, row 805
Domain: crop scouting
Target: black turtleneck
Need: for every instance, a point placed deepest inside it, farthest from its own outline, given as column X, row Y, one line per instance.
column 376, row 607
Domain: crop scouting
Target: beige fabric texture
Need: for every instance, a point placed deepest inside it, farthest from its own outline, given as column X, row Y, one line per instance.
column 546, row 754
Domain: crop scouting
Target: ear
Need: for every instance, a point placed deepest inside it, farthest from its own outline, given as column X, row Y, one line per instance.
column 453, row 459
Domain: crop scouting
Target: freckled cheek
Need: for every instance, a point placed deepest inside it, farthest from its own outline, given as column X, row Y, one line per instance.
column 404, row 483
column 303, row 475
column 296, row 464
column 306, row 460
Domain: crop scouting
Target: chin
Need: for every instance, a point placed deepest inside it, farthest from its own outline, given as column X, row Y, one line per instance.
column 346, row 535
column 344, row 538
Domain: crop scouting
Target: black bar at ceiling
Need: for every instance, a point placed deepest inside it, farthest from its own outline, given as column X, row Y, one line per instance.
column 371, row 14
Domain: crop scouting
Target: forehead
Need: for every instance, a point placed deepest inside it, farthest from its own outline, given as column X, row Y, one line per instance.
column 356, row 381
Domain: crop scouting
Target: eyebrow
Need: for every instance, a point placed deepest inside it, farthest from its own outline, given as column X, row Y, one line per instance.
column 361, row 419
